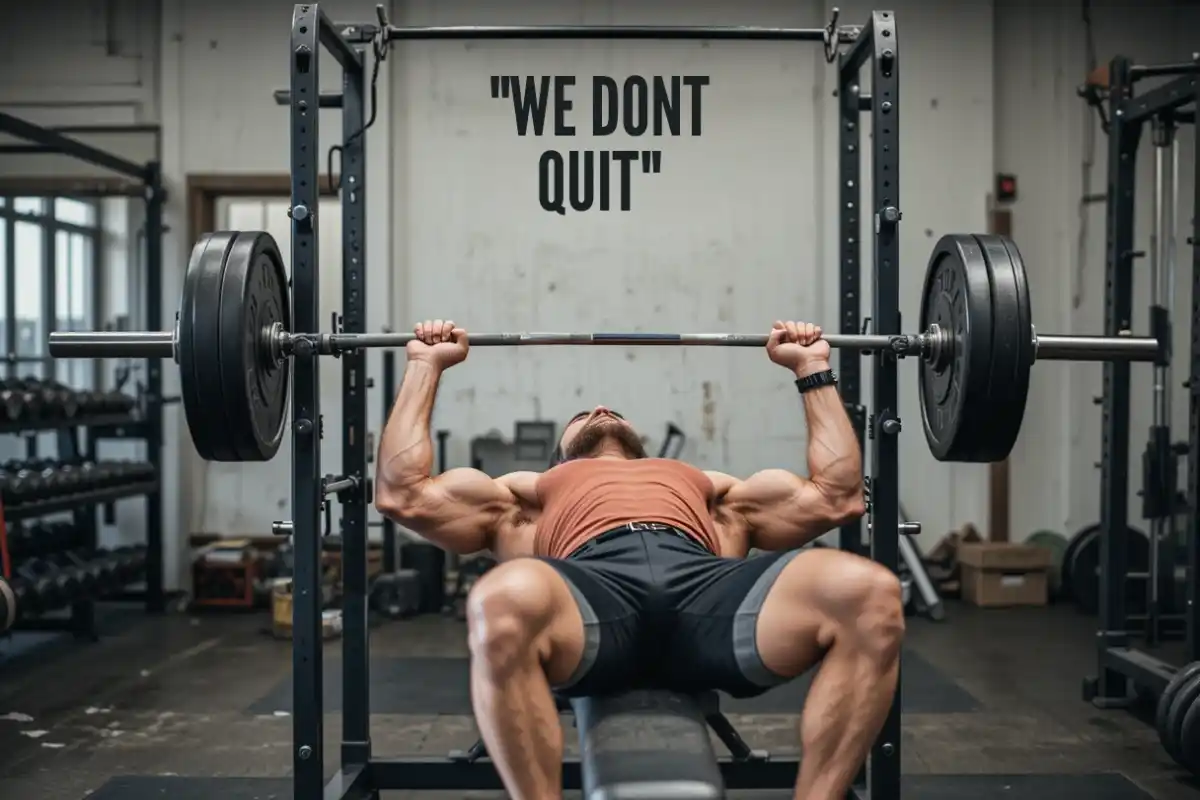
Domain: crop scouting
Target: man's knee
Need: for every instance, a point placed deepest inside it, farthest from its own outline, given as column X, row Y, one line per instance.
column 508, row 612
column 875, row 606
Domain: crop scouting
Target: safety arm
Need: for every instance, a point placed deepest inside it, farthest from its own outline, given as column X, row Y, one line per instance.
column 459, row 509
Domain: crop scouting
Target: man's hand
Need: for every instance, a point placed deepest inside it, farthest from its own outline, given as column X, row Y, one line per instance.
column 799, row 347
column 438, row 343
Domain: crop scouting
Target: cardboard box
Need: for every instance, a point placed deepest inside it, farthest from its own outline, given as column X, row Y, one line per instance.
column 1002, row 574
column 281, row 613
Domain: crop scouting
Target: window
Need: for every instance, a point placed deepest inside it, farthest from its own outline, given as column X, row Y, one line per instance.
column 75, row 212
column 73, row 293
column 49, row 248
column 29, row 268
column 29, row 205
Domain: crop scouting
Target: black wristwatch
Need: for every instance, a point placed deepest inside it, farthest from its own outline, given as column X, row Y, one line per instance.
column 816, row 381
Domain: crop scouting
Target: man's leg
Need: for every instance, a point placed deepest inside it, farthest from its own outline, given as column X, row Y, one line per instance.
column 526, row 633
column 747, row 625
column 849, row 608
column 534, row 625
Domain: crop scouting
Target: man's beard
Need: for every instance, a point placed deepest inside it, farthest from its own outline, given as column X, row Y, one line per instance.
column 592, row 435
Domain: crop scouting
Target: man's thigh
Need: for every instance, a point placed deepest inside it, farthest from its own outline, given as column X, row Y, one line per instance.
column 714, row 642
column 611, row 656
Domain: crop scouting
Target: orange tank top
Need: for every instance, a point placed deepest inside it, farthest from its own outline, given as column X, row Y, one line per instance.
column 583, row 498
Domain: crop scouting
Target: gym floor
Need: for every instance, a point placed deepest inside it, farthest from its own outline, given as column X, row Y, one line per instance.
column 207, row 696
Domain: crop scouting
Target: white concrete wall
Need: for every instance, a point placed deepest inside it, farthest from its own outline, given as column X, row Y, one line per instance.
column 1045, row 134
column 738, row 228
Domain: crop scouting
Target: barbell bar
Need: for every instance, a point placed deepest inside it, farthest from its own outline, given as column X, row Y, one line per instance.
column 930, row 345
column 233, row 343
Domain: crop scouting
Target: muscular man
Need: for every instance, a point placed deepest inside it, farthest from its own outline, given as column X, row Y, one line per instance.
column 620, row 570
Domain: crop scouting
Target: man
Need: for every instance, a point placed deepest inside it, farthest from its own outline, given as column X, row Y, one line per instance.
column 620, row 570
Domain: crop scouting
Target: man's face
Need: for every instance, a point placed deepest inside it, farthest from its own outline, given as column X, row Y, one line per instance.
column 589, row 430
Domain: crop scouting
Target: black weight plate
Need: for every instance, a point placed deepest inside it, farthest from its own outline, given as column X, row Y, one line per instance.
column 198, row 346
column 1185, row 697
column 957, row 297
column 253, row 384
column 1012, row 347
column 1085, row 565
column 1185, row 674
column 1189, row 739
column 1068, row 558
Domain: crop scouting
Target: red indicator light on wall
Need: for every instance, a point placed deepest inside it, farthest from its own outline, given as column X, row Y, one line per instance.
column 1006, row 188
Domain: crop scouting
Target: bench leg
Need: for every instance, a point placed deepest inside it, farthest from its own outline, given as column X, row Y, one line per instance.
column 738, row 749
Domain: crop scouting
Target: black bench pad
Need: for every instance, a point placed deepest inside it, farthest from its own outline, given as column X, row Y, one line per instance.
column 646, row 745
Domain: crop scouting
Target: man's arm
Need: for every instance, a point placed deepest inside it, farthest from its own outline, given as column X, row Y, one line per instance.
column 782, row 510
column 459, row 509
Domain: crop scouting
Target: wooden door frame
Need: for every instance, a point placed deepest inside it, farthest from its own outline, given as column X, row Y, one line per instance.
column 204, row 189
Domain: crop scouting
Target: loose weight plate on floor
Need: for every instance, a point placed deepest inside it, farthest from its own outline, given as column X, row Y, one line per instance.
column 1084, row 569
column 1069, row 555
column 1189, row 739
column 234, row 385
column 1186, row 696
column 1181, row 678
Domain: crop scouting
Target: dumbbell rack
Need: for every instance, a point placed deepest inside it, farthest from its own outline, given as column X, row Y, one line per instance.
column 82, row 506
column 139, row 179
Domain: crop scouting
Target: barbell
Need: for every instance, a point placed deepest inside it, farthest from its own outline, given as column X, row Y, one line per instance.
column 233, row 341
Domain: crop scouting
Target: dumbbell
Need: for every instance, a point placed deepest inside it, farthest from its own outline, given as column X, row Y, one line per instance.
column 131, row 562
column 53, row 482
column 138, row 471
column 69, row 479
column 81, row 570
column 41, row 579
column 116, row 402
column 15, row 399
column 24, row 486
column 34, row 539
column 100, row 572
column 89, row 402
column 126, row 472
column 107, row 565
column 44, row 397
column 58, row 400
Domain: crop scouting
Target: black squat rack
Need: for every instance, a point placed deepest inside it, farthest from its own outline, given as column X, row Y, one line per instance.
column 1129, row 116
column 361, row 775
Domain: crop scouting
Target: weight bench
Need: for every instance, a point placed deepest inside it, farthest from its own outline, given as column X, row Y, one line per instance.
column 648, row 745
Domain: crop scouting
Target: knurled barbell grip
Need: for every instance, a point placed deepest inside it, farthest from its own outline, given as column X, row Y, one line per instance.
column 900, row 344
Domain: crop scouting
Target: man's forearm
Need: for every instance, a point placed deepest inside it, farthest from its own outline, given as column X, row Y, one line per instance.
column 405, row 448
column 834, row 454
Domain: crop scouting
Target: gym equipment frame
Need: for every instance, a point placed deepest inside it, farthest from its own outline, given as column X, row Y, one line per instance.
column 1119, row 664
column 147, row 184
column 361, row 775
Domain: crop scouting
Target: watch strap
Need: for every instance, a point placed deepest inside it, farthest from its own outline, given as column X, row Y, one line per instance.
column 816, row 380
